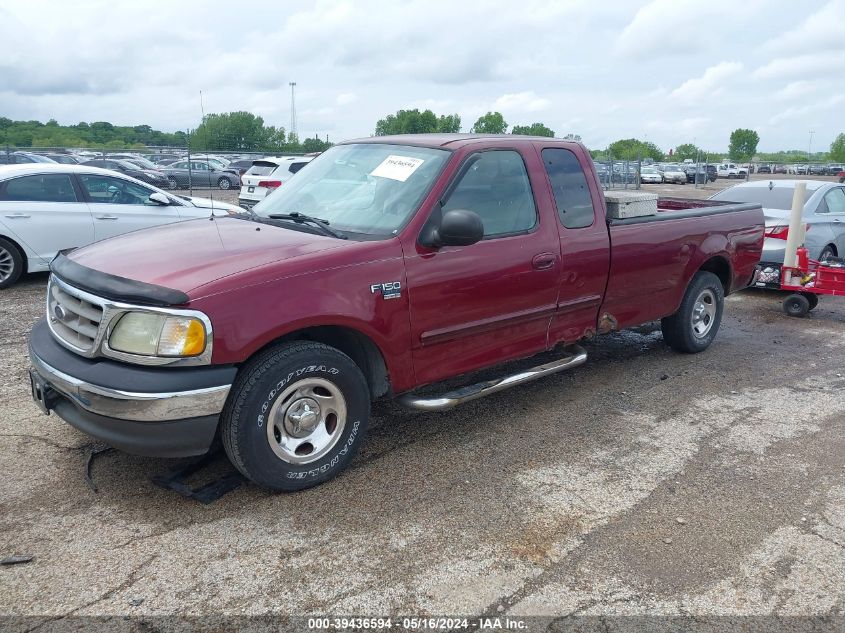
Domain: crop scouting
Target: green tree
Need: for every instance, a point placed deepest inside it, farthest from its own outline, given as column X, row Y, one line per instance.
column 837, row 149
column 632, row 149
column 416, row 122
column 743, row 144
column 535, row 129
column 490, row 123
column 686, row 150
column 449, row 123
column 232, row 131
column 315, row 145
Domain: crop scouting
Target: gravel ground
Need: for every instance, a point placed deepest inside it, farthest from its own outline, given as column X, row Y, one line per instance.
column 644, row 482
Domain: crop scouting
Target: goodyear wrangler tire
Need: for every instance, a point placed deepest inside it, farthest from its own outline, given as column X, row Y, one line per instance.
column 296, row 416
column 694, row 326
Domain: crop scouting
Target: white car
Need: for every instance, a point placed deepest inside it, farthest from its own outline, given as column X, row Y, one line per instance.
column 673, row 173
column 49, row 207
column 266, row 175
column 651, row 175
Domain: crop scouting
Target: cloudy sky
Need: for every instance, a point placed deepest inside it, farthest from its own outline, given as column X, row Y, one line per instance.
column 669, row 71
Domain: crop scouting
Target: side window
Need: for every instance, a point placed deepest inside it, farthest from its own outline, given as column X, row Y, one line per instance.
column 835, row 200
column 108, row 190
column 46, row 188
column 496, row 187
column 180, row 165
column 569, row 186
column 295, row 167
column 199, row 166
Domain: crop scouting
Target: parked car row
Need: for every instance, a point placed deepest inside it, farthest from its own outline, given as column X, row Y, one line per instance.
column 831, row 169
column 49, row 207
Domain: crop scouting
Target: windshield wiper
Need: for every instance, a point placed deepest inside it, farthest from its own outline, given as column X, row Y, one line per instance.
column 300, row 218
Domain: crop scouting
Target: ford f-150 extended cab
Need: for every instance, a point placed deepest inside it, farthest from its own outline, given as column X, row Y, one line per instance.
column 386, row 265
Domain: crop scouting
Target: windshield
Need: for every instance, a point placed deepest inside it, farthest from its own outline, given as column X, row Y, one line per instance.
column 369, row 188
column 775, row 198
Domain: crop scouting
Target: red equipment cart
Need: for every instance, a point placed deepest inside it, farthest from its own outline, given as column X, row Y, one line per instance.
column 808, row 280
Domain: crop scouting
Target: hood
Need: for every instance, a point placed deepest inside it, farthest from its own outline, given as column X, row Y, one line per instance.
column 219, row 206
column 186, row 255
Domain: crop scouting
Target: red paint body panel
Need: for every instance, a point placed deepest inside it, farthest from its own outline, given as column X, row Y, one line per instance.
column 461, row 308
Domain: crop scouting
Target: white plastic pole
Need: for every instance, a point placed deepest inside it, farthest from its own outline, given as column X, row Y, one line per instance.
column 796, row 225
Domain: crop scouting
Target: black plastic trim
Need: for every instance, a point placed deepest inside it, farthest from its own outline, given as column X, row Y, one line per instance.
column 177, row 438
column 113, row 287
column 116, row 375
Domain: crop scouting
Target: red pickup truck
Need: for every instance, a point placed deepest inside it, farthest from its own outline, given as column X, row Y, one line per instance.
column 386, row 265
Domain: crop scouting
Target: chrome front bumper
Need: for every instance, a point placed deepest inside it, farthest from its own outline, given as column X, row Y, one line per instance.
column 129, row 405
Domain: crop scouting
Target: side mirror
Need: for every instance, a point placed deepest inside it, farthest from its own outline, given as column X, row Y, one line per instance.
column 159, row 198
column 458, row 227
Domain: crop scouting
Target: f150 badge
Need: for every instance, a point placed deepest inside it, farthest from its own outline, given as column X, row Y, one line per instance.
column 388, row 290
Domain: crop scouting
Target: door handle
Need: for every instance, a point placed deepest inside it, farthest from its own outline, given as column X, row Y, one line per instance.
column 543, row 261
column 107, row 217
column 17, row 215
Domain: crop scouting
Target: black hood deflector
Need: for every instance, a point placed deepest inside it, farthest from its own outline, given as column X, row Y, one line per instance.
column 114, row 287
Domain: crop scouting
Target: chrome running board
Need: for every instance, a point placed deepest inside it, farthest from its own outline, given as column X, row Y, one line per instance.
column 576, row 356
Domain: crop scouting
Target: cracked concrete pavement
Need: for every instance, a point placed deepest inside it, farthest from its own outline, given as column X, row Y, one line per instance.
column 645, row 482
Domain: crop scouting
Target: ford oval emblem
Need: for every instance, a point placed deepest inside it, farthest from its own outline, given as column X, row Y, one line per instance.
column 59, row 312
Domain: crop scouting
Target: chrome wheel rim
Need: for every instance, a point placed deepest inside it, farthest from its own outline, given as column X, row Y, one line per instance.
column 703, row 313
column 7, row 264
column 172, row 182
column 306, row 421
column 223, row 183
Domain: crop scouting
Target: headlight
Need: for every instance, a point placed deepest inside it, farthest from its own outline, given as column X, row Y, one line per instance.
column 150, row 334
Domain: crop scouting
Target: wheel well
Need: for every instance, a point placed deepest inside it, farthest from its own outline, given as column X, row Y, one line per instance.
column 833, row 248
column 20, row 250
column 359, row 347
column 720, row 267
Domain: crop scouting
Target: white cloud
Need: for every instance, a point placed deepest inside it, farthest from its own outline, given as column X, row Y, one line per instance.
column 345, row 98
column 819, row 32
column 521, row 102
column 710, row 84
column 797, row 90
column 800, row 114
column 795, row 67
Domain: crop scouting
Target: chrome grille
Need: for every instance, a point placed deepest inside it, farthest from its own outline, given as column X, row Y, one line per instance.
column 73, row 317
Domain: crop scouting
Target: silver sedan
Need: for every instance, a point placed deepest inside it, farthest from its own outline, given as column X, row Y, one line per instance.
column 824, row 215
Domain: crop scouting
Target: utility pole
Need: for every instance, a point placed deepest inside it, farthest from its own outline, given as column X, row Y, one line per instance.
column 810, row 146
column 293, row 133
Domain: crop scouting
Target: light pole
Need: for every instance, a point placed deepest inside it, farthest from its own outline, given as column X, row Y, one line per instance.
column 810, row 145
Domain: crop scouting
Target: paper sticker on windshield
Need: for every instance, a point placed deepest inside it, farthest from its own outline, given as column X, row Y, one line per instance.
column 397, row 167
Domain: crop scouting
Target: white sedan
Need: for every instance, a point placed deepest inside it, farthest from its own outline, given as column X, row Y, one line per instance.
column 49, row 207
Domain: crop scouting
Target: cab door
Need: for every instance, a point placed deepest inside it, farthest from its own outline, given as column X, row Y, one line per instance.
column 475, row 306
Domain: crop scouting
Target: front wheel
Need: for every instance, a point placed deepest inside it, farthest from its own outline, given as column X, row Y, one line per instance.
column 172, row 183
column 695, row 324
column 296, row 416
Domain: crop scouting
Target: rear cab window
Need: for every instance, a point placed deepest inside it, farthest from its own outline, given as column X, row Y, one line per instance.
column 569, row 186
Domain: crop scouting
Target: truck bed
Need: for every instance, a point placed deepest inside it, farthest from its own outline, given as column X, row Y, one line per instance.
column 653, row 256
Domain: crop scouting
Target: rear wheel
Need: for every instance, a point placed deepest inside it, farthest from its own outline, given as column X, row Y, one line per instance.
column 694, row 326
column 827, row 253
column 296, row 416
column 224, row 183
column 11, row 263
column 796, row 305
column 172, row 183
